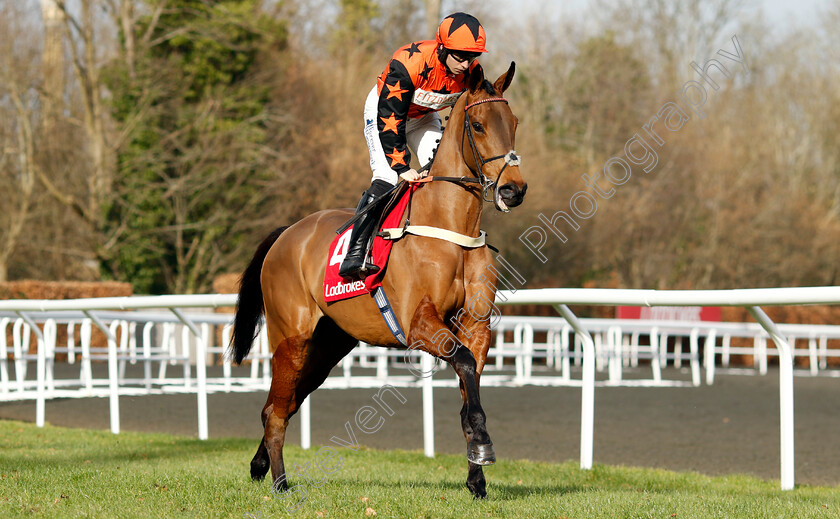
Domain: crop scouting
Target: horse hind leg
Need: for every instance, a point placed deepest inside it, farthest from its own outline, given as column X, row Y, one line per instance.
column 302, row 367
column 261, row 463
column 287, row 366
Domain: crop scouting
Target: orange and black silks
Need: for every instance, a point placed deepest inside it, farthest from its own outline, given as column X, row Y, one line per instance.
column 413, row 84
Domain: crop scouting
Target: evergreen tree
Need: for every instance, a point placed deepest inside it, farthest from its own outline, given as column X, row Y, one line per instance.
column 195, row 157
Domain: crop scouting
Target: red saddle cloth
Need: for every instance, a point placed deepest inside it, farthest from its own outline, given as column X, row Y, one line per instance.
column 335, row 287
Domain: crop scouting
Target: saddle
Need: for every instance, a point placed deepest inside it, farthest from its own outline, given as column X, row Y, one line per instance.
column 335, row 287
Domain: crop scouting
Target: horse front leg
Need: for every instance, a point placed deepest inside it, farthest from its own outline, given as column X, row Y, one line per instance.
column 429, row 333
column 475, row 335
column 472, row 326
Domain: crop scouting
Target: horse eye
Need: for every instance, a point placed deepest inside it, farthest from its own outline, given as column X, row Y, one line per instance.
column 478, row 127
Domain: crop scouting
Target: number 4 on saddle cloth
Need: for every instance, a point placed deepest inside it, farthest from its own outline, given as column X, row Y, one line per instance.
column 335, row 287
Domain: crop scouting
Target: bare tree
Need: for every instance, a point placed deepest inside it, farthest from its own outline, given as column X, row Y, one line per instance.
column 670, row 34
column 81, row 34
column 432, row 16
column 52, row 63
column 18, row 119
column 125, row 14
column 88, row 30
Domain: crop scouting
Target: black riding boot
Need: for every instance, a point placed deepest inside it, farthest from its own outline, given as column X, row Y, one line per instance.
column 354, row 265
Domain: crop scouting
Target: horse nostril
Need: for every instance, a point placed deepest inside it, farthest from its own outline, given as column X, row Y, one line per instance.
column 512, row 191
column 507, row 191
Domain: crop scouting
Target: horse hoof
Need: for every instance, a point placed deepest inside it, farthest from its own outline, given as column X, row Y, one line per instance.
column 259, row 470
column 477, row 492
column 481, row 454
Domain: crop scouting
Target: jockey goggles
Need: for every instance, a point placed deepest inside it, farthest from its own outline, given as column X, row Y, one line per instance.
column 462, row 56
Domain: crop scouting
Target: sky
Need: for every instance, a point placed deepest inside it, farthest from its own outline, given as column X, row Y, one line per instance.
column 779, row 13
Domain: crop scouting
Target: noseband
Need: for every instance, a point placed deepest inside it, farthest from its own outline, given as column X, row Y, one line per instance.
column 511, row 159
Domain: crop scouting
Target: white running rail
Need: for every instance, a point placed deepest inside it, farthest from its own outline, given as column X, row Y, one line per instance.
column 752, row 299
column 615, row 346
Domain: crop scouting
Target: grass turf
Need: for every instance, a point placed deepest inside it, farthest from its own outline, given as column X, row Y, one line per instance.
column 60, row 472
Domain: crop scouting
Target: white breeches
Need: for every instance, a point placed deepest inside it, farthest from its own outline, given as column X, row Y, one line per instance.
column 422, row 135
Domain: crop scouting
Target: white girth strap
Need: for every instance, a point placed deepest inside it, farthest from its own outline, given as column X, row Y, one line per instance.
column 435, row 232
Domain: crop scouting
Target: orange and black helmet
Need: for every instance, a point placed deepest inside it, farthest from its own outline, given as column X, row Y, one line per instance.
column 461, row 32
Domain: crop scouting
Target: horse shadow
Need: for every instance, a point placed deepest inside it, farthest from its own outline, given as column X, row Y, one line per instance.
column 495, row 491
column 157, row 448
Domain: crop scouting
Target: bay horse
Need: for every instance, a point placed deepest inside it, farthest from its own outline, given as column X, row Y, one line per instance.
column 427, row 279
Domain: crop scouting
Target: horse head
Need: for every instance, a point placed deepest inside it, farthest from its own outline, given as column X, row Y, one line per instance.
column 487, row 142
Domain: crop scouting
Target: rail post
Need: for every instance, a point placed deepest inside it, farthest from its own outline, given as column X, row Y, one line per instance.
column 200, row 372
column 785, row 394
column 587, row 399
column 427, row 366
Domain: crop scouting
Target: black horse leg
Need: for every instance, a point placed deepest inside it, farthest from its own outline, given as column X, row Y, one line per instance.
column 476, row 482
column 473, row 420
column 425, row 334
column 260, row 464
column 475, row 478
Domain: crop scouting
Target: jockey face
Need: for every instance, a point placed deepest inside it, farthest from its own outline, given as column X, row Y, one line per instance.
column 459, row 62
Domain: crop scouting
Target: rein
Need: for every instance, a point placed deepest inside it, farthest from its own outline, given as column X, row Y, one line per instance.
column 486, row 184
column 392, row 194
column 510, row 158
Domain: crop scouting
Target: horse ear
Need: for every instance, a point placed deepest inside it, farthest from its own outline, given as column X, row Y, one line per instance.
column 504, row 80
column 476, row 78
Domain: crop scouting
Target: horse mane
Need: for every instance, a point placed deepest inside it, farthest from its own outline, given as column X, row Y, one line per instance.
column 488, row 87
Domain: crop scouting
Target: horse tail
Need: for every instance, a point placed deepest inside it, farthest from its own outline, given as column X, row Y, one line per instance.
column 250, row 306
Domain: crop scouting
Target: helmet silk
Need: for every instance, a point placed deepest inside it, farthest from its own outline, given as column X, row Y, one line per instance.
column 461, row 32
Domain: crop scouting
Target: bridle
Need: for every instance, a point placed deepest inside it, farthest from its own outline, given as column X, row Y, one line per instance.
column 510, row 158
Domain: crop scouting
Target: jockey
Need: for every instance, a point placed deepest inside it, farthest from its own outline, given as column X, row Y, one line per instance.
column 401, row 111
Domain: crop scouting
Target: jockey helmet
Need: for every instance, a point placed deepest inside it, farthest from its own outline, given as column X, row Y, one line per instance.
column 461, row 32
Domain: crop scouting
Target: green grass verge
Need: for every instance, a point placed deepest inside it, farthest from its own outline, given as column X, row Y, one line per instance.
column 59, row 472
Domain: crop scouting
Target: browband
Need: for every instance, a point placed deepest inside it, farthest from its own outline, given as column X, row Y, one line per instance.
column 488, row 100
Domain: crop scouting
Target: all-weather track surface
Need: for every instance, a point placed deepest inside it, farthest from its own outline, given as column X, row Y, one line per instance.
column 729, row 427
